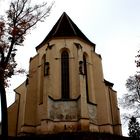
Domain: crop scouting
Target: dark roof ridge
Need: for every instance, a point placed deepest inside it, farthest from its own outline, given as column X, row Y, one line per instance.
column 59, row 23
column 65, row 27
column 71, row 24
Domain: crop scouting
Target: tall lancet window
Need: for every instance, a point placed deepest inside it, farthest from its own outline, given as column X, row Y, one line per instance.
column 42, row 80
column 86, row 75
column 65, row 75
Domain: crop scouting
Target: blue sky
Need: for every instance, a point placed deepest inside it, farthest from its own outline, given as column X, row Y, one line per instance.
column 113, row 25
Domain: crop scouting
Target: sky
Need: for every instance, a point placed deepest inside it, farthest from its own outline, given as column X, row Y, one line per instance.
column 113, row 25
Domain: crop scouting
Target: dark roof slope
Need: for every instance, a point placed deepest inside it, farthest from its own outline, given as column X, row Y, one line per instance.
column 107, row 83
column 65, row 27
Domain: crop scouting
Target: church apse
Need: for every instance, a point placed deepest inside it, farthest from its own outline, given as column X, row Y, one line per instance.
column 67, row 91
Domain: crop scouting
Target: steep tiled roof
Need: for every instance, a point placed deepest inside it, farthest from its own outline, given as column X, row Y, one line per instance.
column 65, row 27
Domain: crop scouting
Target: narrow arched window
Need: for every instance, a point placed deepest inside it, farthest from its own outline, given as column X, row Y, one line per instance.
column 65, row 75
column 86, row 75
column 42, row 79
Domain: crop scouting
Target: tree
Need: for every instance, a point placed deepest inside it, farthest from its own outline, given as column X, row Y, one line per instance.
column 137, row 61
column 21, row 17
column 131, row 100
column 134, row 128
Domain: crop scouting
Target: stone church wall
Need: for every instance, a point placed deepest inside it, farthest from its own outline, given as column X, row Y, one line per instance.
column 59, row 110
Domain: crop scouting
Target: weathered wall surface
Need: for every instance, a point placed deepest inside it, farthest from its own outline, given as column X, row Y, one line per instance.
column 92, row 110
column 63, row 110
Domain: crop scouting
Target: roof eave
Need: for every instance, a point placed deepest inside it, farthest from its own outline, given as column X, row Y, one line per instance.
column 46, row 41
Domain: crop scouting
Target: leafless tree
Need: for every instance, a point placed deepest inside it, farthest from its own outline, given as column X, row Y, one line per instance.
column 131, row 100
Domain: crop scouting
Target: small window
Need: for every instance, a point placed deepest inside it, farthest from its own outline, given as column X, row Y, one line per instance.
column 46, row 68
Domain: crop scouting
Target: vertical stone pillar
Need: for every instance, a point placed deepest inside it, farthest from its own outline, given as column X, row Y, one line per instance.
column 84, row 117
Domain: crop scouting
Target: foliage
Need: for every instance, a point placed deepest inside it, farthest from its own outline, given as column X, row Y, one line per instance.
column 21, row 17
column 131, row 100
column 134, row 128
column 137, row 61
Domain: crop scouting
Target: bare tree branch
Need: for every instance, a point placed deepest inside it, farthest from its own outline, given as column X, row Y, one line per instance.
column 131, row 100
column 21, row 18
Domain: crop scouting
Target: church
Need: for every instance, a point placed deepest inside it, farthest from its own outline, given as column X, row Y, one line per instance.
column 65, row 90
